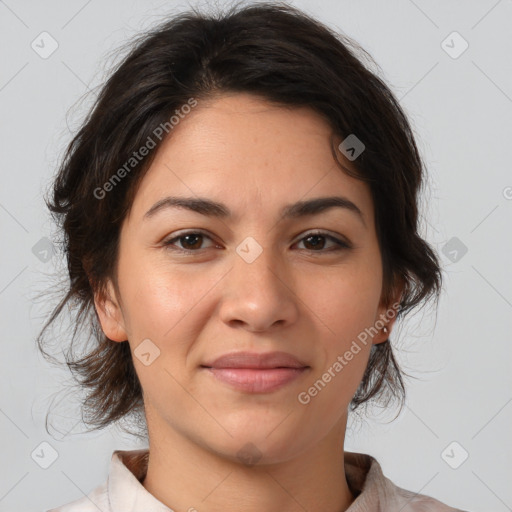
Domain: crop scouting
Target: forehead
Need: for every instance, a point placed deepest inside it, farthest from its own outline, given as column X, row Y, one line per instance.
column 254, row 156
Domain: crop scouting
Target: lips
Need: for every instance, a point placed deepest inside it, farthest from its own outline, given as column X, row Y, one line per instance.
column 256, row 361
column 256, row 373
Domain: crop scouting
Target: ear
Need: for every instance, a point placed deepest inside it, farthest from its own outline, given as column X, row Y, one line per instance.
column 110, row 314
column 387, row 313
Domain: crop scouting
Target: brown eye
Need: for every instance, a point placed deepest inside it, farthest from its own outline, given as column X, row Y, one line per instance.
column 316, row 242
column 190, row 241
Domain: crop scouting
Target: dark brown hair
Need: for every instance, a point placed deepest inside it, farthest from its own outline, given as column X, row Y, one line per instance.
column 284, row 56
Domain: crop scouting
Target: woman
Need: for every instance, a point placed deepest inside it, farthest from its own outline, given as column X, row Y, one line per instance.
column 240, row 216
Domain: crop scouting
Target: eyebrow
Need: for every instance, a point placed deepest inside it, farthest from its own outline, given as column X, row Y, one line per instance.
column 296, row 210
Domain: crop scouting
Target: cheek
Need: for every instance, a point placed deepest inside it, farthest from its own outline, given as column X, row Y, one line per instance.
column 154, row 296
column 344, row 304
column 344, row 300
column 346, row 311
column 165, row 304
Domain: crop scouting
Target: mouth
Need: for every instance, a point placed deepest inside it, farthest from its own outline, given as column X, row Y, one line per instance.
column 256, row 373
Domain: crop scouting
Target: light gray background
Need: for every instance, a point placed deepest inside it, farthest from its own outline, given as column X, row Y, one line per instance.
column 461, row 110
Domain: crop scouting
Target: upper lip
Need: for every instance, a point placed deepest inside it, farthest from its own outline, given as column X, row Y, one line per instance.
column 256, row 361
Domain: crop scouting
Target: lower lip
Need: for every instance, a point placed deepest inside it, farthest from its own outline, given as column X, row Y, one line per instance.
column 253, row 380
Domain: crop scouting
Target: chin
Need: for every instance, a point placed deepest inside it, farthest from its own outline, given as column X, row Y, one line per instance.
column 256, row 442
column 254, row 451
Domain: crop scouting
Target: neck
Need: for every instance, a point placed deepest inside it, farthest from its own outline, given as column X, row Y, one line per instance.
column 186, row 476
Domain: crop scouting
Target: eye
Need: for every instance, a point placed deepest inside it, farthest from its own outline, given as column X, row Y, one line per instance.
column 317, row 241
column 191, row 241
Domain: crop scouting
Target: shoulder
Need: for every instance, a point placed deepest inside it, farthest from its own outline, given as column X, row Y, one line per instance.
column 122, row 489
column 96, row 500
column 409, row 501
column 373, row 491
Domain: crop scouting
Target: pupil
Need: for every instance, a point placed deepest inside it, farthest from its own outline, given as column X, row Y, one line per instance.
column 187, row 237
column 315, row 243
column 315, row 237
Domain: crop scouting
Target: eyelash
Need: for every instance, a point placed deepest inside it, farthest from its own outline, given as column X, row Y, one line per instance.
column 340, row 243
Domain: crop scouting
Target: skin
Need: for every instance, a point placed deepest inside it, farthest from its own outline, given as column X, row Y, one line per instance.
column 295, row 297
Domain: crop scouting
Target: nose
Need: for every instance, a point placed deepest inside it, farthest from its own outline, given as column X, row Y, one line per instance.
column 259, row 295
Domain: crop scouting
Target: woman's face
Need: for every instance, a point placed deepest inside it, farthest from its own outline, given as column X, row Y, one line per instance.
column 253, row 280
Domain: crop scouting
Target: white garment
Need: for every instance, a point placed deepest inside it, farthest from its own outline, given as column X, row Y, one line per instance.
column 124, row 492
